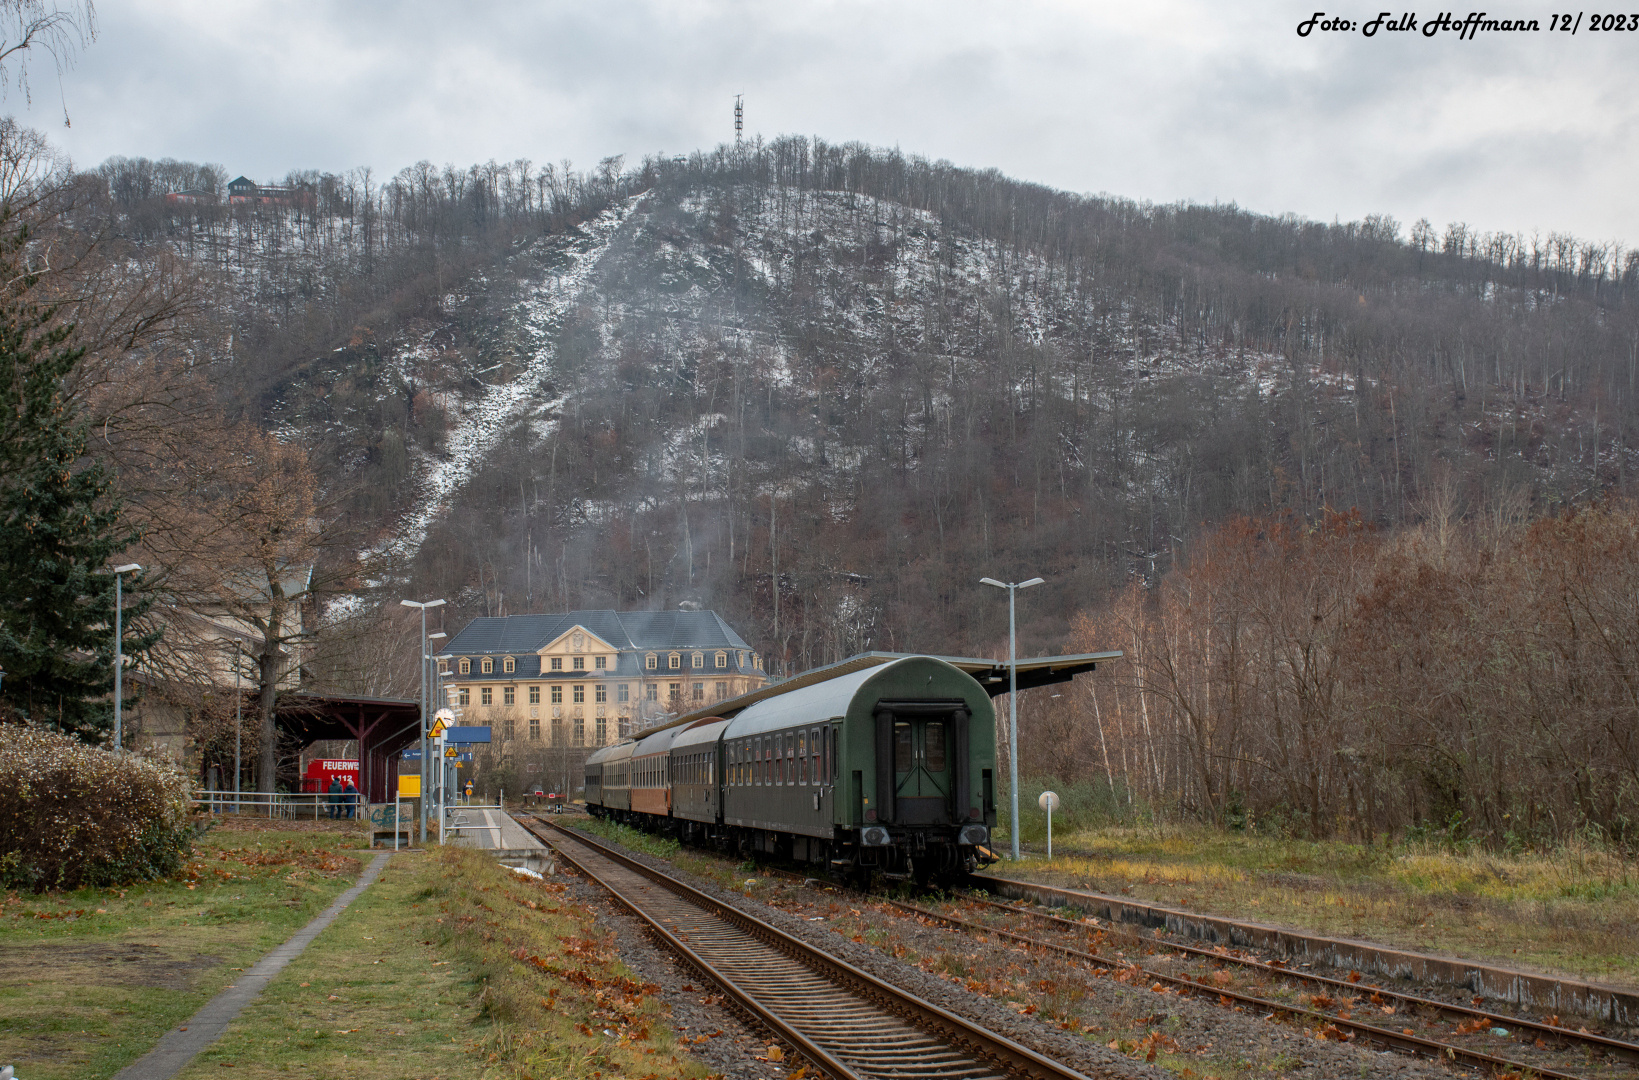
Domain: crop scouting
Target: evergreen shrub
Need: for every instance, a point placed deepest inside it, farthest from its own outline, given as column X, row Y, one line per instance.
column 74, row 815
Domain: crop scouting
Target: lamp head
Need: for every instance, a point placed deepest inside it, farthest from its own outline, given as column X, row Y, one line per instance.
column 1032, row 581
column 992, row 581
column 436, row 635
column 127, row 568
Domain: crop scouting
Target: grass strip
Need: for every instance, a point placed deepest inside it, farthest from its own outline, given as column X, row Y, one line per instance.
column 451, row 965
column 90, row 979
column 1570, row 910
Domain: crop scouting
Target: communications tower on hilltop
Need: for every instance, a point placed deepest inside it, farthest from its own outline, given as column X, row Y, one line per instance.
column 739, row 118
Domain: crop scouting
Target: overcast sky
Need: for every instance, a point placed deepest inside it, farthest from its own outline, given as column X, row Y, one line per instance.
column 1157, row 101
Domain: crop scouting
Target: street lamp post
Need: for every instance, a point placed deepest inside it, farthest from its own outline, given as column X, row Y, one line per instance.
column 119, row 652
column 238, row 718
column 1012, row 701
column 423, row 705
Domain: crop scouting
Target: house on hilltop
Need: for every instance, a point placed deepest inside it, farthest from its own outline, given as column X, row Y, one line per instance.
column 244, row 191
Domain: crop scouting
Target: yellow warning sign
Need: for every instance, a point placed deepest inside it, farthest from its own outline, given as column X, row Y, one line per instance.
column 409, row 787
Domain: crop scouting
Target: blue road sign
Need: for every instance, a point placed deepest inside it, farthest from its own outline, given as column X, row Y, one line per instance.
column 410, row 755
column 466, row 734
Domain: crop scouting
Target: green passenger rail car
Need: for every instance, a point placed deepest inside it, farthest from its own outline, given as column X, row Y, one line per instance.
column 882, row 763
column 888, row 769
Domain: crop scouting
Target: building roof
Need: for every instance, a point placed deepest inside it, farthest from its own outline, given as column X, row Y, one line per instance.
column 625, row 630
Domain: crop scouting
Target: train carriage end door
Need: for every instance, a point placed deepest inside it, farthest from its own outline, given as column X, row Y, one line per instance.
column 925, row 745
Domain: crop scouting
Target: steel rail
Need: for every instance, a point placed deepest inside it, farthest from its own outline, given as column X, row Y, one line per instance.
column 783, row 1031
column 1394, row 1039
column 1010, row 1057
column 1626, row 1051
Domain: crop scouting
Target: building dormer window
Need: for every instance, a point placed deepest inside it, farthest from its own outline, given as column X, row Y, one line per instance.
column 601, row 663
column 699, row 661
column 488, row 665
column 443, row 667
column 722, row 659
column 650, row 662
column 756, row 661
column 509, row 665
column 557, row 663
column 676, row 661
column 466, row 665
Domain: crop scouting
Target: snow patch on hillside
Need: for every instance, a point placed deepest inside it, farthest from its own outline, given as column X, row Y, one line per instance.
column 480, row 423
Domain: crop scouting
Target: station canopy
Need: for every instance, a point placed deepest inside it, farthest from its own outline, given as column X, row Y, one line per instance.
column 991, row 674
column 381, row 726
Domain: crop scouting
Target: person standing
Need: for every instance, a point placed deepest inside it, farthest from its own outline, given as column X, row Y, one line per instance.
column 352, row 797
column 335, row 797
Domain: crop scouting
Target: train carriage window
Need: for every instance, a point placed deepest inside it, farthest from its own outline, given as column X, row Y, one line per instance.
column 933, row 746
column 757, row 762
column 902, row 750
column 802, row 757
column 778, row 754
column 814, row 754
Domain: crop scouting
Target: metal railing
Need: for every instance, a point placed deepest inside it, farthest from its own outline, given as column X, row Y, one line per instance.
column 281, row 804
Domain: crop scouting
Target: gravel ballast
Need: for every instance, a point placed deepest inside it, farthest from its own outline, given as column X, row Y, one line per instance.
column 1088, row 1010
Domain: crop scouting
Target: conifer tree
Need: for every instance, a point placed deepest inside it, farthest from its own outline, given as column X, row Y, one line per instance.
column 59, row 525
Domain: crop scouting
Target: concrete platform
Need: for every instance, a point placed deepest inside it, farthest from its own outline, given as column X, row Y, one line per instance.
column 496, row 832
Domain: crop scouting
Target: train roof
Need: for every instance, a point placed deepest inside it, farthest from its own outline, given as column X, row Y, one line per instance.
column 833, row 697
column 701, row 731
column 618, row 752
column 657, row 742
column 992, row 675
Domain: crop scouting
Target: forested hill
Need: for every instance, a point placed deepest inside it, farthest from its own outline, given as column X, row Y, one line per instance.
column 873, row 379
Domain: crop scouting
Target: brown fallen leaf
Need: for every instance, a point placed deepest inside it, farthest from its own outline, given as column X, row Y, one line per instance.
column 775, row 1053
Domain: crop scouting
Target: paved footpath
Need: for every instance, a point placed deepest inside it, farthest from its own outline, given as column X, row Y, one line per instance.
column 180, row 1044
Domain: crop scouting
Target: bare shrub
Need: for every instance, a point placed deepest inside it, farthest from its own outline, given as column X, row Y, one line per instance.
column 73, row 815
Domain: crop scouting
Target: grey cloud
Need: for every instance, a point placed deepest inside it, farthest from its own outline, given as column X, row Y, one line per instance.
column 1194, row 102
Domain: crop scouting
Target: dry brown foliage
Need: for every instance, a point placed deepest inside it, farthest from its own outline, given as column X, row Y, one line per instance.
column 74, row 815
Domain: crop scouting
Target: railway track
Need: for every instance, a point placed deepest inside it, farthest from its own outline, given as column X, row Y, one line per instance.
column 1540, row 1046
column 845, row 1021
